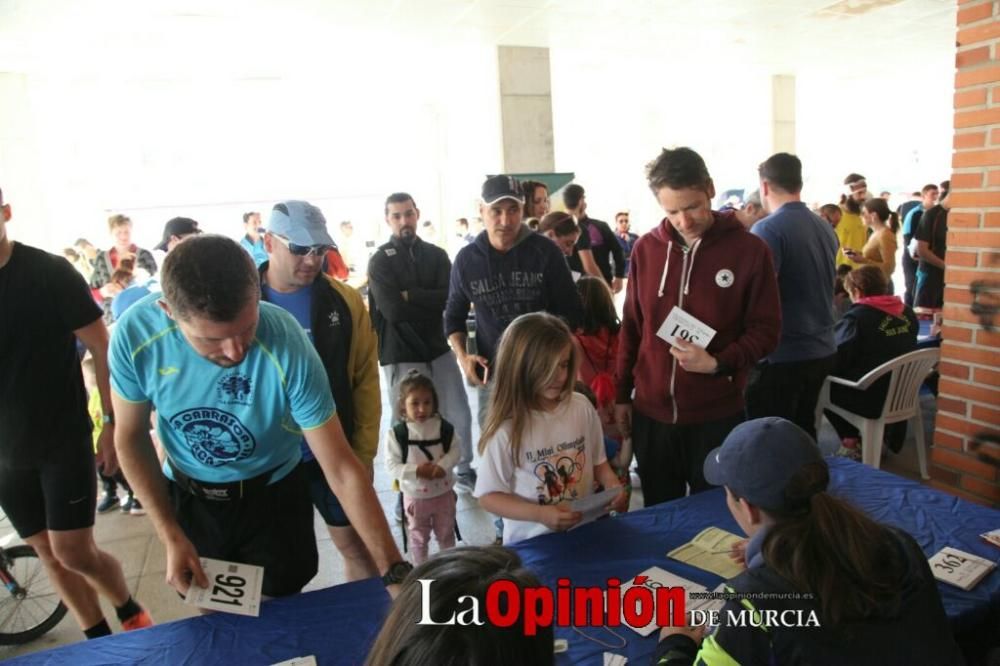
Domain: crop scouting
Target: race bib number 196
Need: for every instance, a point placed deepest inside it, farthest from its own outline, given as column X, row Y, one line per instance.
column 232, row 588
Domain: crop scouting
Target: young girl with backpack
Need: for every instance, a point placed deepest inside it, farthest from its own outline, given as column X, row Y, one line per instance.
column 421, row 453
column 542, row 444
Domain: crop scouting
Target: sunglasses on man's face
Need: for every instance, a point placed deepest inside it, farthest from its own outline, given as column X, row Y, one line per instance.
column 303, row 250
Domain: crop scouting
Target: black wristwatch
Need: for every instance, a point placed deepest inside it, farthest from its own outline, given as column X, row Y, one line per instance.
column 397, row 573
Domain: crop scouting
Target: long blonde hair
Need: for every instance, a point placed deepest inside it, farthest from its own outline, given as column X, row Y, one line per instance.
column 527, row 360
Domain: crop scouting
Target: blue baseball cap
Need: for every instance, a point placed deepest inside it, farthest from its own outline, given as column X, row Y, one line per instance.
column 300, row 222
column 758, row 459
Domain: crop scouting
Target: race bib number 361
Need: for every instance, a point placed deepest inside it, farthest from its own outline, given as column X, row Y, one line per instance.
column 232, row 588
column 680, row 325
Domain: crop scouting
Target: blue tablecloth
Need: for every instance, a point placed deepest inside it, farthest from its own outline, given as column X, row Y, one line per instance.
column 625, row 545
column 338, row 624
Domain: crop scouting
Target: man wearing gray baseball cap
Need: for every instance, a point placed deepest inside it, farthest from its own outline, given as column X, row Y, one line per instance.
column 847, row 590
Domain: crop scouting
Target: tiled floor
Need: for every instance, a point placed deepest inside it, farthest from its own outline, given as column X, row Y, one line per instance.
column 132, row 540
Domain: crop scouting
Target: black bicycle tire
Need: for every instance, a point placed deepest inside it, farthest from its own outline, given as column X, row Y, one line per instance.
column 30, row 634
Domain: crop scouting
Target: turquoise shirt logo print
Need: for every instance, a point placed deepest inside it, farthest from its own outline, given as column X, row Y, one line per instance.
column 235, row 389
column 215, row 437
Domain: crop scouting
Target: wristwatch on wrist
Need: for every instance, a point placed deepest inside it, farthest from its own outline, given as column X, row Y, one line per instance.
column 108, row 419
column 397, row 573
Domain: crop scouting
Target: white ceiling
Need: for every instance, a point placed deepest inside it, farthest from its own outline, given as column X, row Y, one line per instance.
column 277, row 38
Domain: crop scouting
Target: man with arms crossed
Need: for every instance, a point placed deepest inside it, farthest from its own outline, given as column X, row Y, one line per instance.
column 408, row 288
column 236, row 384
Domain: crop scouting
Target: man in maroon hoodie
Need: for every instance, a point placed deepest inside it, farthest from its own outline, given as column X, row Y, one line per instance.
column 687, row 398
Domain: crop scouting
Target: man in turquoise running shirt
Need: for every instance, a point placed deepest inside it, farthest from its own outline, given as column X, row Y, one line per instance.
column 236, row 385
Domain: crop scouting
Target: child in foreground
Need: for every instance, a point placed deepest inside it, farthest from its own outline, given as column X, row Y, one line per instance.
column 460, row 574
column 542, row 444
column 421, row 453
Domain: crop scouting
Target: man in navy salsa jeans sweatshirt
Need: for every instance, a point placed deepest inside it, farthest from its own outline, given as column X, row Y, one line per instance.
column 507, row 271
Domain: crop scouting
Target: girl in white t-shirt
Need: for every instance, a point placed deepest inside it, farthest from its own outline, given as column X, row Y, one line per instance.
column 542, row 443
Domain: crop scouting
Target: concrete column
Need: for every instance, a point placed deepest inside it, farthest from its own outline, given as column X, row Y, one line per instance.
column 783, row 113
column 525, row 109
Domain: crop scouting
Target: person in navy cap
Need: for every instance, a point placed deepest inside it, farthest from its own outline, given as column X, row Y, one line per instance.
column 508, row 271
column 860, row 592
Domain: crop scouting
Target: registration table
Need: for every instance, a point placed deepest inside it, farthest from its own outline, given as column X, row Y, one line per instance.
column 338, row 624
column 626, row 545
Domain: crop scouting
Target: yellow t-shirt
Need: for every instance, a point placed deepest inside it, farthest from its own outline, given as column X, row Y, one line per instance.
column 851, row 232
column 880, row 250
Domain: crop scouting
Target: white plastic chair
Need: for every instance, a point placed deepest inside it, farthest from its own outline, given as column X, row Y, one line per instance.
column 902, row 403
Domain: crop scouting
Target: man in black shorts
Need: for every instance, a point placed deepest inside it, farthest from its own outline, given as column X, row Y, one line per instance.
column 334, row 316
column 236, row 385
column 48, row 486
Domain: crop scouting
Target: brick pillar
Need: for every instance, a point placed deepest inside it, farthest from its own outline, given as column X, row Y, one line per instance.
column 966, row 459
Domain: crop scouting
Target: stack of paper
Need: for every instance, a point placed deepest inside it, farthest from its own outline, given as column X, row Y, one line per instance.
column 710, row 551
column 958, row 568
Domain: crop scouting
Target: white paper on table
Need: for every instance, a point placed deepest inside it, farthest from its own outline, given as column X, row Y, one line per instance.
column 298, row 661
column 680, row 324
column 234, row 587
column 657, row 577
column 707, row 604
column 595, row 505
column 992, row 537
column 959, row 568
column 611, row 659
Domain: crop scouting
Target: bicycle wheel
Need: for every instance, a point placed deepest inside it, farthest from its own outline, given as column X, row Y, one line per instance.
column 34, row 608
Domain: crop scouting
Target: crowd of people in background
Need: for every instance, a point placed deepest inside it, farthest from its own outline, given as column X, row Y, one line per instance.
column 257, row 361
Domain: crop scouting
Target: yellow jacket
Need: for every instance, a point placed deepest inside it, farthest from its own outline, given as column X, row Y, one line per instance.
column 363, row 371
column 851, row 232
column 354, row 382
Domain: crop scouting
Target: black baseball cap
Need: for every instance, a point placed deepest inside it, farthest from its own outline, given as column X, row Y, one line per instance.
column 758, row 459
column 178, row 226
column 502, row 187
